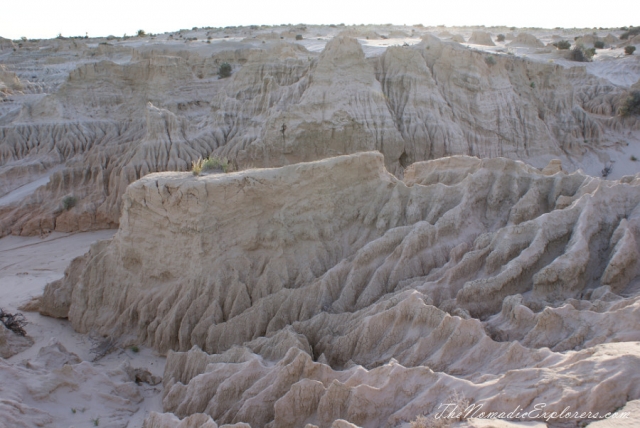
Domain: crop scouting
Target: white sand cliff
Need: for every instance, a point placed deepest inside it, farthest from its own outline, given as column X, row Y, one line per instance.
column 296, row 279
column 415, row 220
column 80, row 107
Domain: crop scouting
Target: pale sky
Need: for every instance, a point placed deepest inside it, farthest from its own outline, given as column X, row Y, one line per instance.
column 47, row 18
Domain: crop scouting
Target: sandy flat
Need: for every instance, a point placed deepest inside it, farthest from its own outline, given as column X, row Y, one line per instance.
column 27, row 264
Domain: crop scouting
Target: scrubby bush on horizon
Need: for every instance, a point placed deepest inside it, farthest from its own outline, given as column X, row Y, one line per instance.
column 599, row 44
column 500, row 38
column 629, row 50
column 633, row 31
column 563, row 44
column 141, row 33
column 224, row 70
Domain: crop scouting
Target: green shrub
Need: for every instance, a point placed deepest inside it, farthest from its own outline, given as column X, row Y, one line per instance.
column 633, row 158
column 599, row 44
column 69, row 202
column 211, row 163
column 298, row 36
column 500, row 38
column 629, row 50
column 135, row 349
column 563, row 44
column 490, row 60
column 633, row 31
column 224, row 70
column 141, row 33
column 580, row 54
column 532, row 84
column 631, row 105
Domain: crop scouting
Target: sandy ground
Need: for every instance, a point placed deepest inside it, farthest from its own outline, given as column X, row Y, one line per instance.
column 27, row 264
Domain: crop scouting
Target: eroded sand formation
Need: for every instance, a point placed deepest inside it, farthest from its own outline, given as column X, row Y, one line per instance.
column 422, row 232
column 95, row 115
column 526, row 40
column 333, row 290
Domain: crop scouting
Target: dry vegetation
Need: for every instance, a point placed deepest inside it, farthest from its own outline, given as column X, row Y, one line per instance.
column 14, row 322
column 212, row 163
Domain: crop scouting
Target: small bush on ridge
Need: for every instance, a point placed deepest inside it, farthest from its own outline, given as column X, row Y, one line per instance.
column 224, row 70
column 629, row 50
column 580, row 54
column 210, row 164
